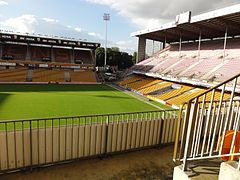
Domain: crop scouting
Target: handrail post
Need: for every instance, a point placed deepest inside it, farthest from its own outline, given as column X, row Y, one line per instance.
column 177, row 134
column 190, row 119
column 106, row 138
column 31, row 146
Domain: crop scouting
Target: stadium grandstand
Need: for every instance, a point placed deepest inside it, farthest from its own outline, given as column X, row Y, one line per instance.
column 197, row 53
column 196, row 70
column 37, row 58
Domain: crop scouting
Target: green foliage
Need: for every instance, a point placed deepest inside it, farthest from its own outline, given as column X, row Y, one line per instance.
column 114, row 58
column 134, row 58
column 116, row 49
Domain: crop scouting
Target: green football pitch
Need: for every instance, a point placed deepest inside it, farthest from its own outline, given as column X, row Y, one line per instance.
column 43, row 101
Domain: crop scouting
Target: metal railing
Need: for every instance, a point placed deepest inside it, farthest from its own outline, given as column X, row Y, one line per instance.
column 209, row 125
column 25, row 144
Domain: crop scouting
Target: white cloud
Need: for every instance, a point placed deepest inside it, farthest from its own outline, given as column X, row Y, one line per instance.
column 94, row 34
column 50, row 20
column 3, row 3
column 29, row 23
column 150, row 13
column 24, row 23
column 78, row 29
column 128, row 46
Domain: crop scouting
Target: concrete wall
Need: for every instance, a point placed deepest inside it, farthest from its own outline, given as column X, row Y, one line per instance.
column 228, row 170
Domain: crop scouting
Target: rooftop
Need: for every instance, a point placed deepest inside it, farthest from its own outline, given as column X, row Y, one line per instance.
column 9, row 36
column 212, row 24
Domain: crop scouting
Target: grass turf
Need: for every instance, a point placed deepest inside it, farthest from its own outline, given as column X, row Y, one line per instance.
column 42, row 101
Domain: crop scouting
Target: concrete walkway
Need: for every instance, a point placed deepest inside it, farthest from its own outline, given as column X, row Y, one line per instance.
column 145, row 164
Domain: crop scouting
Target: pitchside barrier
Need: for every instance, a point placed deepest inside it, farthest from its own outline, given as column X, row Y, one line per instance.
column 25, row 144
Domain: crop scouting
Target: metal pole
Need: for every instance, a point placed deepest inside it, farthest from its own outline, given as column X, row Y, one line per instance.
column 199, row 45
column 165, row 41
column 105, row 57
column 180, row 46
column 106, row 18
column 225, row 44
column 27, row 55
column 1, row 51
column 153, row 48
column 73, row 55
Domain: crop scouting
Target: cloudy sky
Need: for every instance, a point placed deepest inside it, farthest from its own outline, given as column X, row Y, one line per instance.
column 82, row 19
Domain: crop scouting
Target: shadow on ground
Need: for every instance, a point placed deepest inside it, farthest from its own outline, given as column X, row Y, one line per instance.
column 151, row 164
column 152, row 172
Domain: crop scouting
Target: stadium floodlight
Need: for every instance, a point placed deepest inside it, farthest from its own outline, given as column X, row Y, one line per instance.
column 106, row 18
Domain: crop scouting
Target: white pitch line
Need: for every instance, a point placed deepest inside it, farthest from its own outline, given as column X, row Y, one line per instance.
column 135, row 96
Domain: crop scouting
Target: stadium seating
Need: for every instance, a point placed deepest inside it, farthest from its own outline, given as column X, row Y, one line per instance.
column 185, row 96
column 155, row 87
column 130, row 79
column 46, row 75
column 82, row 76
column 170, row 92
column 13, row 75
column 43, row 75
column 211, row 64
column 140, row 84
column 85, row 57
column 175, row 92
column 14, row 51
column 150, row 82
column 231, row 67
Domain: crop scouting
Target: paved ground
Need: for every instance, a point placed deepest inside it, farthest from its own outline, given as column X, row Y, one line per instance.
column 146, row 164
column 151, row 164
column 206, row 170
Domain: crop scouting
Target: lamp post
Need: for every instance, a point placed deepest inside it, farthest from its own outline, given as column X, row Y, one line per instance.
column 106, row 18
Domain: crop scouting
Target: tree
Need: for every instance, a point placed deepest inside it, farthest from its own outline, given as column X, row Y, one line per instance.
column 134, row 58
column 116, row 49
column 114, row 58
column 100, row 56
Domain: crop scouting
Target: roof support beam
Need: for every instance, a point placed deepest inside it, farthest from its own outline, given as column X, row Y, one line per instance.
column 152, row 37
column 164, row 36
column 182, row 34
column 196, row 31
column 169, row 36
column 209, row 29
column 230, row 23
column 185, row 31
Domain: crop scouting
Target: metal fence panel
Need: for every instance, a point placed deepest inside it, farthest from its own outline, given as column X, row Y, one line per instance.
column 32, row 143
